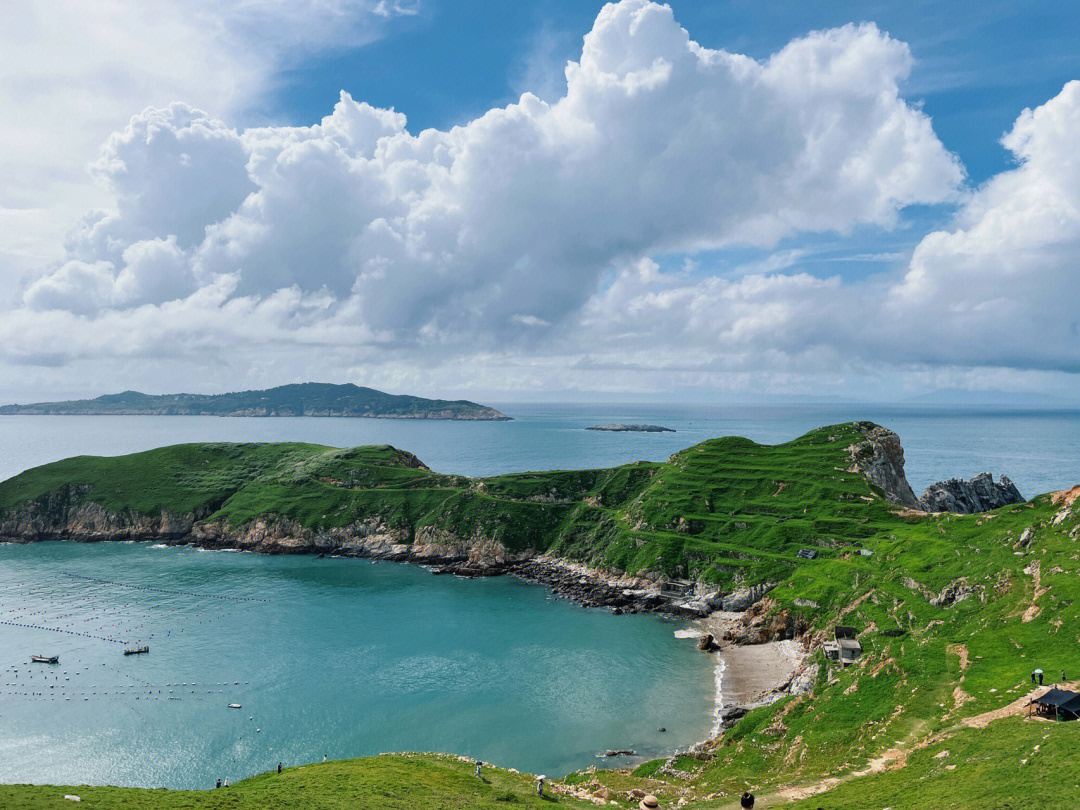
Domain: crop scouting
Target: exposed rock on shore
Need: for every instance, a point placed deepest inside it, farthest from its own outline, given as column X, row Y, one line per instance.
column 980, row 494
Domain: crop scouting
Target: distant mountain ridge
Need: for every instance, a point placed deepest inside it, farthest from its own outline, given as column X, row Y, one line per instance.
column 301, row 399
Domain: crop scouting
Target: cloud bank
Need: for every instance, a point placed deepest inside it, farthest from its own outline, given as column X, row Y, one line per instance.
column 521, row 250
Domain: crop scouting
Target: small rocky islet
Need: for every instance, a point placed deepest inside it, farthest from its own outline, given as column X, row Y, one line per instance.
column 622, row 428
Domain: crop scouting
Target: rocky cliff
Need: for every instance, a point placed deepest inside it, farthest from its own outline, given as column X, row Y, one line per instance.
column 980, row 494
column 880, row 459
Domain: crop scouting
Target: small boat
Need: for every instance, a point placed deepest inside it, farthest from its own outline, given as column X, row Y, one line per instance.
column 45, row 659
column 137, row 651
column 234, row 706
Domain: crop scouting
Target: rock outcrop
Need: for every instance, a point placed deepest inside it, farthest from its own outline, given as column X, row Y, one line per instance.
column 880, row 459
column 980, row 494
column 742, row 598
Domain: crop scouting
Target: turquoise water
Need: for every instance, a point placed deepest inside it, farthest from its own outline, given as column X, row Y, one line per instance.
column 1037, row 449
column 336, row 657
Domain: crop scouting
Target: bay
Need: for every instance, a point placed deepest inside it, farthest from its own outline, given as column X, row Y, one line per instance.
column 346, row 658
column 330, row 657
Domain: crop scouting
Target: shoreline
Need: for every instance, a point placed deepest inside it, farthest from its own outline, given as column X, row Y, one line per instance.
column 748, row 676
column 581, row 583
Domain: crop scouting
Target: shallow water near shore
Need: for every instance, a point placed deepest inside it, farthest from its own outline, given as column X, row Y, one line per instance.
column 338, row 657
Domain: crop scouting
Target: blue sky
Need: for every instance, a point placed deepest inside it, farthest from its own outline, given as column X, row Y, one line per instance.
column 977, row 63
column 871, row 200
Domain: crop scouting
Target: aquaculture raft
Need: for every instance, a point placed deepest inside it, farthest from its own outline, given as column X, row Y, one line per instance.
column 137, row 651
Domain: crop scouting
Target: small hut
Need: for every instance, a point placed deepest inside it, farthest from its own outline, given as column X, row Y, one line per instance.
column 676, row 588
column 1056, row 704
column 845, row 647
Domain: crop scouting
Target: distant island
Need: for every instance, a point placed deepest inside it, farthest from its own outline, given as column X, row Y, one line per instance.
column 303, row 399
column 618, row 428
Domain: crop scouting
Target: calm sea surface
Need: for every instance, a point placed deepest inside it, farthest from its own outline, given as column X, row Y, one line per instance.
column 346, row 658
column 336, row 657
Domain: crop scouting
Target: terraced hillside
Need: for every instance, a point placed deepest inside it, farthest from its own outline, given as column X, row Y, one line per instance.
column 953, row 611
column 724, row 511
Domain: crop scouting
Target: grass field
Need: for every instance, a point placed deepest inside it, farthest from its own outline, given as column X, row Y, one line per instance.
column 953, row 611
column 390, row 782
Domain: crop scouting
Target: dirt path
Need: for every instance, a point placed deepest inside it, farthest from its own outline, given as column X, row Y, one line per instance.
column 896, row 758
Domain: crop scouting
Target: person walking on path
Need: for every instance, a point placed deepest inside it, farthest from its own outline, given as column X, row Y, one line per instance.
column 540, row 785
column 747, row 800
column 218, row 784
column 478, row 766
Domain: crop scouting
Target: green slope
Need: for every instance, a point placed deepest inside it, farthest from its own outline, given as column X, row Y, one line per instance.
column 389, row 782
column 723, row 511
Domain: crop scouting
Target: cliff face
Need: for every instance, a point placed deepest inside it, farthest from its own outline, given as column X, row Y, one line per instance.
column 64, row 514
column 880, row 459
column 980, row 494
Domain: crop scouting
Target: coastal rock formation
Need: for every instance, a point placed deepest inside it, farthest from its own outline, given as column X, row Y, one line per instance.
column 980, row 494
column 743, row 598
column 880, row 459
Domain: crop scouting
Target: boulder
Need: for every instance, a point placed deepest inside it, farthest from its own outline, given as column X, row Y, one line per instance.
column 707, row 643
column 980, row 494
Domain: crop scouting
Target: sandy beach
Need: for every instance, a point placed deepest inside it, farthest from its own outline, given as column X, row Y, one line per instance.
column 747, row 674
column 751, row 672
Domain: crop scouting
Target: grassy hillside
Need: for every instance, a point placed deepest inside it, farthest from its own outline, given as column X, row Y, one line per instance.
column 953, row 611
column 389, row 782
column 723, row 511
column 304, row 399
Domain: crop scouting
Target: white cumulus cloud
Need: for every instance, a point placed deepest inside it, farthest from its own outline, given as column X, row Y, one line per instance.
column 521, row 248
